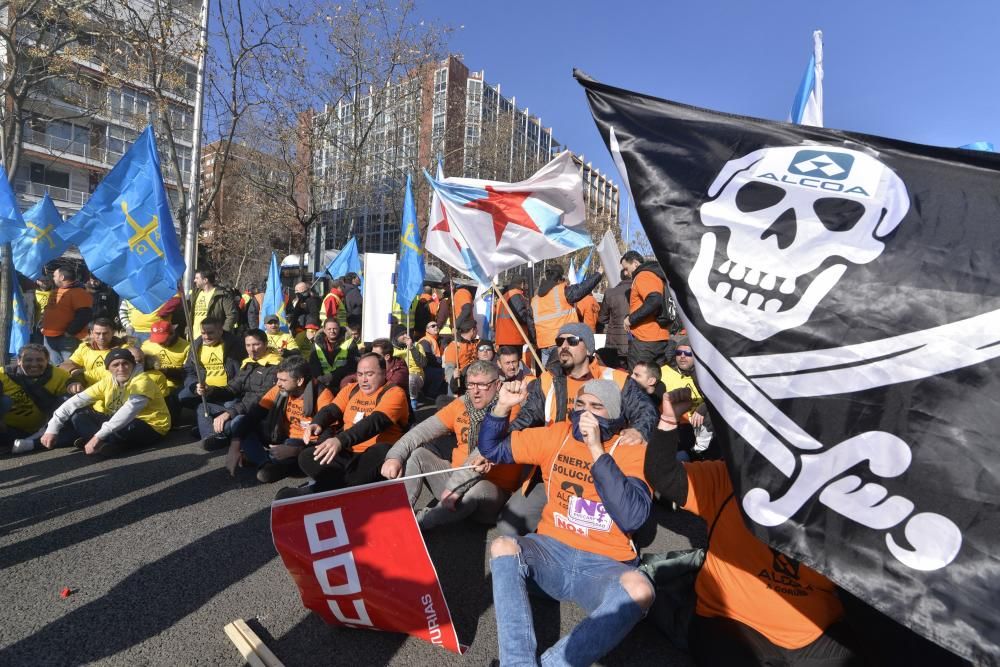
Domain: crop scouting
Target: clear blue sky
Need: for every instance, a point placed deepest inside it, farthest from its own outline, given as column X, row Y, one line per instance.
column 916, row 70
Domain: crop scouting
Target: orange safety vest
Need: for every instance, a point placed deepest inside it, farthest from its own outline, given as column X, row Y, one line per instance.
column 435, row 345
column 551, row 312
column 506, row 330
column 597, row 371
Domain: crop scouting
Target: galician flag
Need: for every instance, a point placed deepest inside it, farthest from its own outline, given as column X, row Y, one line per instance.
column 807, row 108
column 497, row 226
column 448, row 246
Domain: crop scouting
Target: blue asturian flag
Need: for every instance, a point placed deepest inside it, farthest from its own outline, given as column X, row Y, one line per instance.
column 125, row 231
column 274, row 298
column 11, row 222
column 38, row 244
column 20, row 333
column 410, row 272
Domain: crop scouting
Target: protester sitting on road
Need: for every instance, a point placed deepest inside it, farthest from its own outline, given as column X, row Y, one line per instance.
column 460, row 353
column 485, row 351
column 256, row 377
column 511, row 368
column 128, row 411
column 66, row 315
column 742, row 617
column 218, row 362
column 278, row 426
column 34, row 388
column 582, row 551
column 372, row 416
column 551, row 399
column 335, row 356
column 412, row 355
column 167, row 353
column 464, row 493
column 86, row 364
column 282, row 341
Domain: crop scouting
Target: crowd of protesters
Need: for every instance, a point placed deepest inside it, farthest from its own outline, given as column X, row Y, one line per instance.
column 562, row 428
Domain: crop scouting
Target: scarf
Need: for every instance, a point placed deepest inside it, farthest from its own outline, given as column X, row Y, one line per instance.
column 35, row 387
column 476, row 418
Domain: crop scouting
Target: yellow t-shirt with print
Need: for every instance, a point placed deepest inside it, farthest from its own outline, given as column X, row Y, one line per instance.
column 113, row 397
column 91, row 361
column 213, row 361
column 143, row 322
column 171, row 358
column 201, row 309
column 281, row 341
column 24, row 414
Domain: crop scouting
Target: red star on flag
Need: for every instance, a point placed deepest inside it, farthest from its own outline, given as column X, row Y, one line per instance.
column 444, row 227
column 506, row 209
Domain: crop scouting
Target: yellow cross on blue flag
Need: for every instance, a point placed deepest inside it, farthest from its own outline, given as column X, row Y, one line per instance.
column 125, row 231
column 20, row 334
column 410, row 273
column 38, row 244
column 11, row 222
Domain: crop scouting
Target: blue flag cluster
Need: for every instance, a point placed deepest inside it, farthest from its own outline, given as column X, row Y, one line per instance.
column 125, row 231
column 410, row 272
column 11, row 222
column 20, row 332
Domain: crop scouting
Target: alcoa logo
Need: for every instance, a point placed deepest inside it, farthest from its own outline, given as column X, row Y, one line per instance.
column 820, row 164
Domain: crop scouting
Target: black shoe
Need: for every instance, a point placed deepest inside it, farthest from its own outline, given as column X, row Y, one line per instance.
column 214, row 442
column 272, row 472
column 295, row 491
column 80, row 443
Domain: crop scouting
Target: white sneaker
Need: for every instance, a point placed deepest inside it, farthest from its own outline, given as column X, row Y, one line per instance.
column 23, row 445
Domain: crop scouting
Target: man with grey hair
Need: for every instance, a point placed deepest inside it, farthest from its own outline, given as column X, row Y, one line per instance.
column 464, row 493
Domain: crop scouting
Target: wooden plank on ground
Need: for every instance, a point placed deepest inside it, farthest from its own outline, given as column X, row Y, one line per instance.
column 259, row 647
column 243, row 646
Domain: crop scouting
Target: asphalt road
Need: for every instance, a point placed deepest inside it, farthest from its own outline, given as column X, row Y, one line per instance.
column 162, row 549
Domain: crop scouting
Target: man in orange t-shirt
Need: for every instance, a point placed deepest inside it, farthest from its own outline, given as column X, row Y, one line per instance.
column 283, row 415
column 754, row 604
column 649, row 339
column 588, row 309
column 365, row 419
column 69, row 310
column 464, row 493
column 582, row 551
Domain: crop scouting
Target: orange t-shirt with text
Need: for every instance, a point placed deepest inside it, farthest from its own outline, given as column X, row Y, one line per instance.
column 574, row 513
column 294, row 414
column 390, row 401
column 456, row 419
column 748, row 581
column 647, row 329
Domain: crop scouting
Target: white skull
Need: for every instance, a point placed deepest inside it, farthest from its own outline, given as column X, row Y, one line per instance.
column 790, row 212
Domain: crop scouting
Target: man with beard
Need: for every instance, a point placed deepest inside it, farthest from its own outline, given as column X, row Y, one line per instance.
column 35, row 389
column 464, row 493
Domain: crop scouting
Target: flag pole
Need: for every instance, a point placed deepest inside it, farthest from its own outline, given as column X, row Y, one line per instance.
column 194, row 360
column 194, row 181
column 520, row 329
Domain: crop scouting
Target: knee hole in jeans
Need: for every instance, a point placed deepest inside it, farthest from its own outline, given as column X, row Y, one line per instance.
column 638, row 588
column 504, row 546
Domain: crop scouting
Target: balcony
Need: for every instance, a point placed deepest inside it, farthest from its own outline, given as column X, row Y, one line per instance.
column 33, row 189
column 60, row 146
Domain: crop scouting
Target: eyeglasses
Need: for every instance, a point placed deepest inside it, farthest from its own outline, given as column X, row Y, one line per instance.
column 479, row 386
column 484, row 348
column 573, row 341
column 683, row 353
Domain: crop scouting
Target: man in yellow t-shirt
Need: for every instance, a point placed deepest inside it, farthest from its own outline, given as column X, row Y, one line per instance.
column 35, row 388
column 167, row 353
column 279, row 340
column 86, row 364
column 131, row 410
column 218, row 361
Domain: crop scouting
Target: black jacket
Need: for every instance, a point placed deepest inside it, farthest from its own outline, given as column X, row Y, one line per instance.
column 303, row 311
column 222, row 307
column 352, row 300
column 250, row 384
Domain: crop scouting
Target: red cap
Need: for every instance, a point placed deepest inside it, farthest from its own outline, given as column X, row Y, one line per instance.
column 160, row 332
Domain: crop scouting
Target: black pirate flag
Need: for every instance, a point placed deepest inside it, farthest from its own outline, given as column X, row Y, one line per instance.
column 842, row 296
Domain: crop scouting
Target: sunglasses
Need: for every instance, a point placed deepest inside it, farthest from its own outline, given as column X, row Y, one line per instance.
column 484, row 348
column 683, row 353
column 572, row 340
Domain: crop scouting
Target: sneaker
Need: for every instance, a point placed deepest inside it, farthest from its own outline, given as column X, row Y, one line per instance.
column 214, row 442
column 272, row 472
column 80, row 443
column 295, row 491
column 22, row 445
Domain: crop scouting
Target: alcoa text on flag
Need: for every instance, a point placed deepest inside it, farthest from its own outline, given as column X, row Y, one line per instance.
column 841, row 293
column 498, row 226
column 125, row 231
column 359, row 561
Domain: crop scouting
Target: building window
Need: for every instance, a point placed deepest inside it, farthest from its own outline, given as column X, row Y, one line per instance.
column 50, row 177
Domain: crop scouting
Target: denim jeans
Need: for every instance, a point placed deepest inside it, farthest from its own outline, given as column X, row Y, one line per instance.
column 256, row 451
column 563, row 573
column 206, row 425
column 60, row 348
